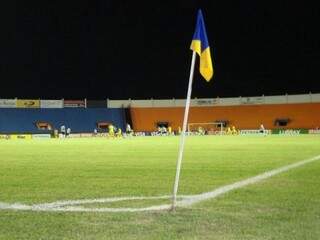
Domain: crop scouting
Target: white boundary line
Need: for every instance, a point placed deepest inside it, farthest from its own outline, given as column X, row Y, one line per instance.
column 185, row 201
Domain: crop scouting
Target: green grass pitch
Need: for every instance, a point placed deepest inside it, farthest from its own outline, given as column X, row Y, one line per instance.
column 286, row 206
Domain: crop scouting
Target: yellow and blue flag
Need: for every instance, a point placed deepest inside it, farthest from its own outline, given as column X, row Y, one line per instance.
column 200, row 45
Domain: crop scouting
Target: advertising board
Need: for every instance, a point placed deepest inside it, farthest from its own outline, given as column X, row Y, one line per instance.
column 74, row 103
column 28, row 103
column 51, row 103
column 4, row 136
column 41, row 136
column 8, row 103
column 314, row 131
column 20, row 136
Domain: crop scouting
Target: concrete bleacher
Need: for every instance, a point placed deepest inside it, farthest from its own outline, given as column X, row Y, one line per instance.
column 302, row 115
column 15, row 120
column 20, row 116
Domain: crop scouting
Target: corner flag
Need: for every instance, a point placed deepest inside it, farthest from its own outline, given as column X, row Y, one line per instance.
column 200, row 45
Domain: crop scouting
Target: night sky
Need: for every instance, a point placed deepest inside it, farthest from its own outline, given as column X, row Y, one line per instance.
column 140, row 49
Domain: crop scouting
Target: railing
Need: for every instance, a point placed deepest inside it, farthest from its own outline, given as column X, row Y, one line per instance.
column 84, row 103
column 280, row 99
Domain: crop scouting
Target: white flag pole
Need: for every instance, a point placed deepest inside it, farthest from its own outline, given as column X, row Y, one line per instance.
column 183, row 133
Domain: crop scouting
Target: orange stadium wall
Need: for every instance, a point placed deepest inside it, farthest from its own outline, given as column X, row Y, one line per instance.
column 302, row 115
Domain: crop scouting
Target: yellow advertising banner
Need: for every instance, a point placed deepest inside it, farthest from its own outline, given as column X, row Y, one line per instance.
column 20, row 136
column 28, row 103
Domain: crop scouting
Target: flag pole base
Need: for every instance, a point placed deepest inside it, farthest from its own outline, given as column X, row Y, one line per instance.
column 172, row 209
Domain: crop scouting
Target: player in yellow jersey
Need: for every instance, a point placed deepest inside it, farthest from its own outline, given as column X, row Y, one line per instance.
column 234, row 130
column 119, row 133
column 111, row 130
column 201, row 131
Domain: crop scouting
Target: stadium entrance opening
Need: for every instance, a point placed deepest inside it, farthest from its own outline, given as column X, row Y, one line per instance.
column 43, row 126
column 103, row 125
column 281, row 122
column 163, row 124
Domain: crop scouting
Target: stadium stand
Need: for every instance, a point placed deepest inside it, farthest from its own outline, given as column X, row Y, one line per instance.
column 15, row 120
column 82, row 116
column 305, row 115
column 274, row 112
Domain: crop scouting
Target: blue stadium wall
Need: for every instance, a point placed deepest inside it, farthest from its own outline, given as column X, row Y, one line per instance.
column 78, row 119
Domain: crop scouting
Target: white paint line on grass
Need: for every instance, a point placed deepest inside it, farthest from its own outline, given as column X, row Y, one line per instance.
column 219, row 191
column 184, row 201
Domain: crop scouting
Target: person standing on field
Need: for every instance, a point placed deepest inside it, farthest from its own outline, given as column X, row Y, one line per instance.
column 262, row 130
column 128, row 130
column 68, row 132
column 111, row 130
column 63, row 131
column 119, row 133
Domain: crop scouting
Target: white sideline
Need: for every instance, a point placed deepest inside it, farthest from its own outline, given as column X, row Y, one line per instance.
column 185, row 201
column 243, row 183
